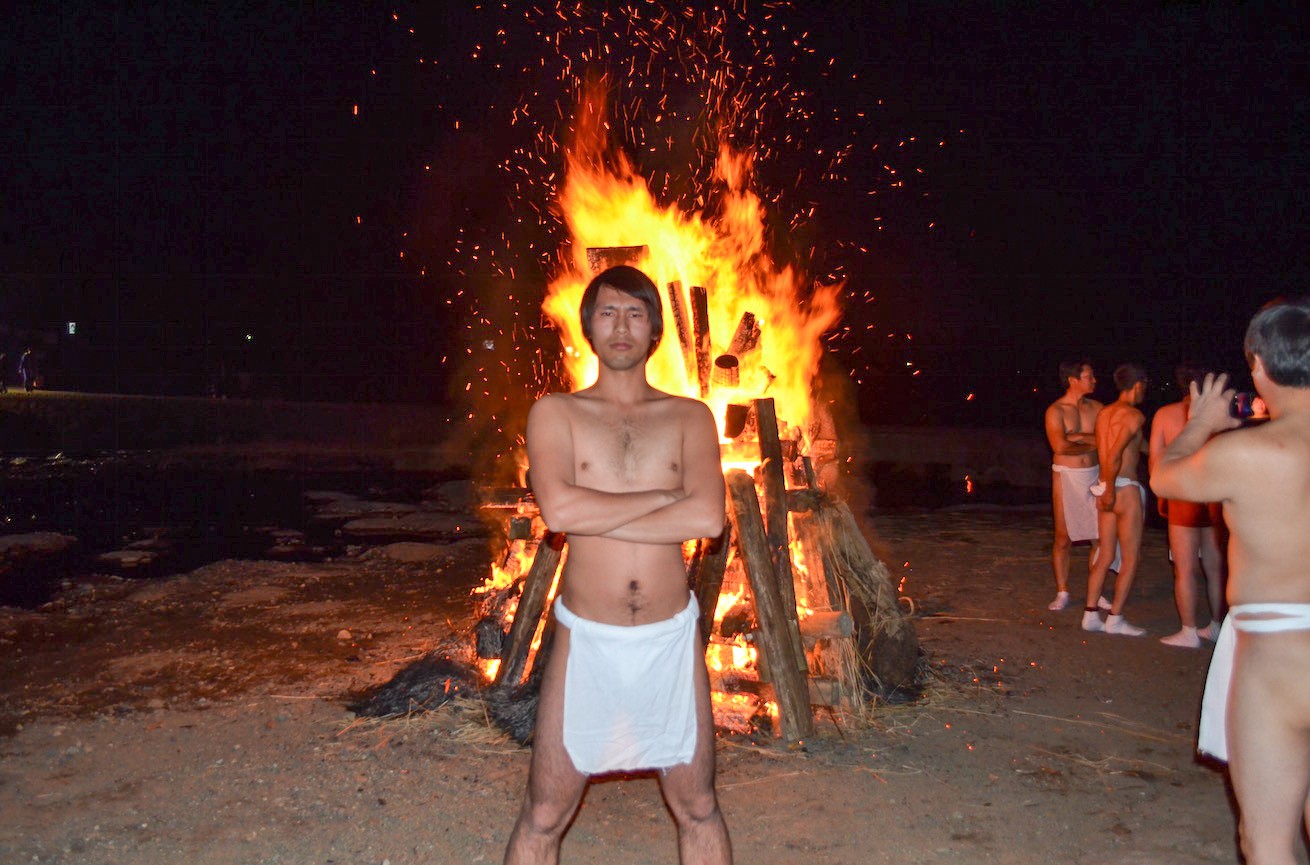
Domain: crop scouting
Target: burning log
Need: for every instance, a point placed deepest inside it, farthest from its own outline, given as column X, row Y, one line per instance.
column 727, row 371
column 600, row 258
column 734, row 419
column 532, row 603
column 746, row 337
column 681, row 320
column 705, row 574
column 700, row 326
column 779, row 632
column 775, row 519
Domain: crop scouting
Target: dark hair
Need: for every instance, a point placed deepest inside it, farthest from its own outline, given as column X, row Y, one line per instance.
column 1127, row 375
column 633, row 283
column 1279, row 334
column 1072, row 369
column 1186, row 373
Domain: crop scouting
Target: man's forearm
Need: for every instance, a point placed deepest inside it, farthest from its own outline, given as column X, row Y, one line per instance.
column 583, row 511
column 693, row 517
column 1188, row 442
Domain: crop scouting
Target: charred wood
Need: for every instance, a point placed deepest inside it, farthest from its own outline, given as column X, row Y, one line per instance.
column 705, row 575
column 700, row 328
column 536, row 587
column 602, row 258
column 775, row 521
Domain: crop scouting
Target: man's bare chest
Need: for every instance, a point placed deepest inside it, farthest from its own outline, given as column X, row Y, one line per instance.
column 623, row 450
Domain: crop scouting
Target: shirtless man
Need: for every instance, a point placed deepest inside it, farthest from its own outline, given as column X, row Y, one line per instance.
column 1119, row 445
column 1193, row 530
column 1262, row 476
column 629, row 473
column 1070, row 422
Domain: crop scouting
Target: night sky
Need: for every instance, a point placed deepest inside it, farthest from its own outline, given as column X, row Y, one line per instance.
column 341, row 203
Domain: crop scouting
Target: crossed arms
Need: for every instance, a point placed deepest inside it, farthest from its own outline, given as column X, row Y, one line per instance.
column 655, row 516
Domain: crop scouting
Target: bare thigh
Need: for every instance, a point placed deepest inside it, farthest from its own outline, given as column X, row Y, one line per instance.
column 1269, row 741
column 554, row 786
column 689, row 788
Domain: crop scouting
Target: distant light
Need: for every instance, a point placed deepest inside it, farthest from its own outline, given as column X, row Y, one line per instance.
column 72, row 328
column 250, row 337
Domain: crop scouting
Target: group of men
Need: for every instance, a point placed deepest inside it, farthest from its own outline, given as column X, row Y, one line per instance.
column 1097, row 496
column 1255, row 711
column 631, row 472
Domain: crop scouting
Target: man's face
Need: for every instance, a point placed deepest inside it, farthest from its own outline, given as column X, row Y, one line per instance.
column 620, row 329
column 1085, row 383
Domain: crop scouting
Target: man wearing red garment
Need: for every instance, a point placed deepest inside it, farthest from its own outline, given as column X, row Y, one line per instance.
column 629, row 473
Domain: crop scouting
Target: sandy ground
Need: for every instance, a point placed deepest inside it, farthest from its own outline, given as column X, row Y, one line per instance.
column 202, row 719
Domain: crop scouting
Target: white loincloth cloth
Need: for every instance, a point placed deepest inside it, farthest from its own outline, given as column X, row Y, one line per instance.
column 1212, row 733
column 1098, row 489
column 1079, row 503
column 629, row 692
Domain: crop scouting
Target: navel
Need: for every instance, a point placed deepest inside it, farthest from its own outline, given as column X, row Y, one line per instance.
column 634, row 599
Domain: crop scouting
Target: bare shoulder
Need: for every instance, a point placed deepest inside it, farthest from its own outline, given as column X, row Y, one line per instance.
column 1173, row 413
column 551, row 408
column 689, row 412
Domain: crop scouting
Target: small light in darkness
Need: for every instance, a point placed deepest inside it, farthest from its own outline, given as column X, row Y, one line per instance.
column 72, row 328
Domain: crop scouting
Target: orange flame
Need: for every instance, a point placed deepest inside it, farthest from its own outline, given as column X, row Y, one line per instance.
column 606, row 203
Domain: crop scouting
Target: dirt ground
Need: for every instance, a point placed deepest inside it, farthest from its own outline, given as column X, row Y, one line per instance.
column 202, row 719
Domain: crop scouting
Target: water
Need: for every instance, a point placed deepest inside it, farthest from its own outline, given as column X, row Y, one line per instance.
column 189, row 512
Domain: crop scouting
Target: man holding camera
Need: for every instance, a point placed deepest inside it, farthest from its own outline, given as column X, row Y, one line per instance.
column 1256, row 711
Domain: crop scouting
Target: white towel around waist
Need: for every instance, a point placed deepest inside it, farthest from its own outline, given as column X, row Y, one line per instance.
column 629, row 692
column 1079, row 503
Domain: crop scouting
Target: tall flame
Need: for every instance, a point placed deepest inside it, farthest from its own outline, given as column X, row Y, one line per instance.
column 605, row 202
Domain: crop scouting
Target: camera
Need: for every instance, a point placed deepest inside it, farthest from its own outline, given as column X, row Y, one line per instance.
column 1248, row 406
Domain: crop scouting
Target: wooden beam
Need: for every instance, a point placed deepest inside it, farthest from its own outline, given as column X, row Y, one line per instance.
column 706, row 575
column 777, row 629
column 746, row 337
column 775, row 517
column 682, row 322
column 532, row 603
column 700, row 329
column 601, row 258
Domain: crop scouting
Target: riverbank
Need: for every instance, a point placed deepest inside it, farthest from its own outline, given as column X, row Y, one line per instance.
column 202, row 718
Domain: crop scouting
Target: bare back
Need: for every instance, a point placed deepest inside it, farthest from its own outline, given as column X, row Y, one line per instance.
column 1266, row 472
column 1119, row 438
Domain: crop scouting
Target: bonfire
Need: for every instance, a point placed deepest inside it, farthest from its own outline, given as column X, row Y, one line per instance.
column 797, row 611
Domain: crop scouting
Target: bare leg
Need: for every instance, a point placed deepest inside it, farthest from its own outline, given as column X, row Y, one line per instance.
column 555, row 787
column 1060, row 548
column 1184, row 543
column 689, row 791
column 1212, row 562
column 1105, row 524
column 1129, row 519
column 1269, row 744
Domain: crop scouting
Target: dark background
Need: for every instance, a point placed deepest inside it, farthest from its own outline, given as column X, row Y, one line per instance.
column 193, row 186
